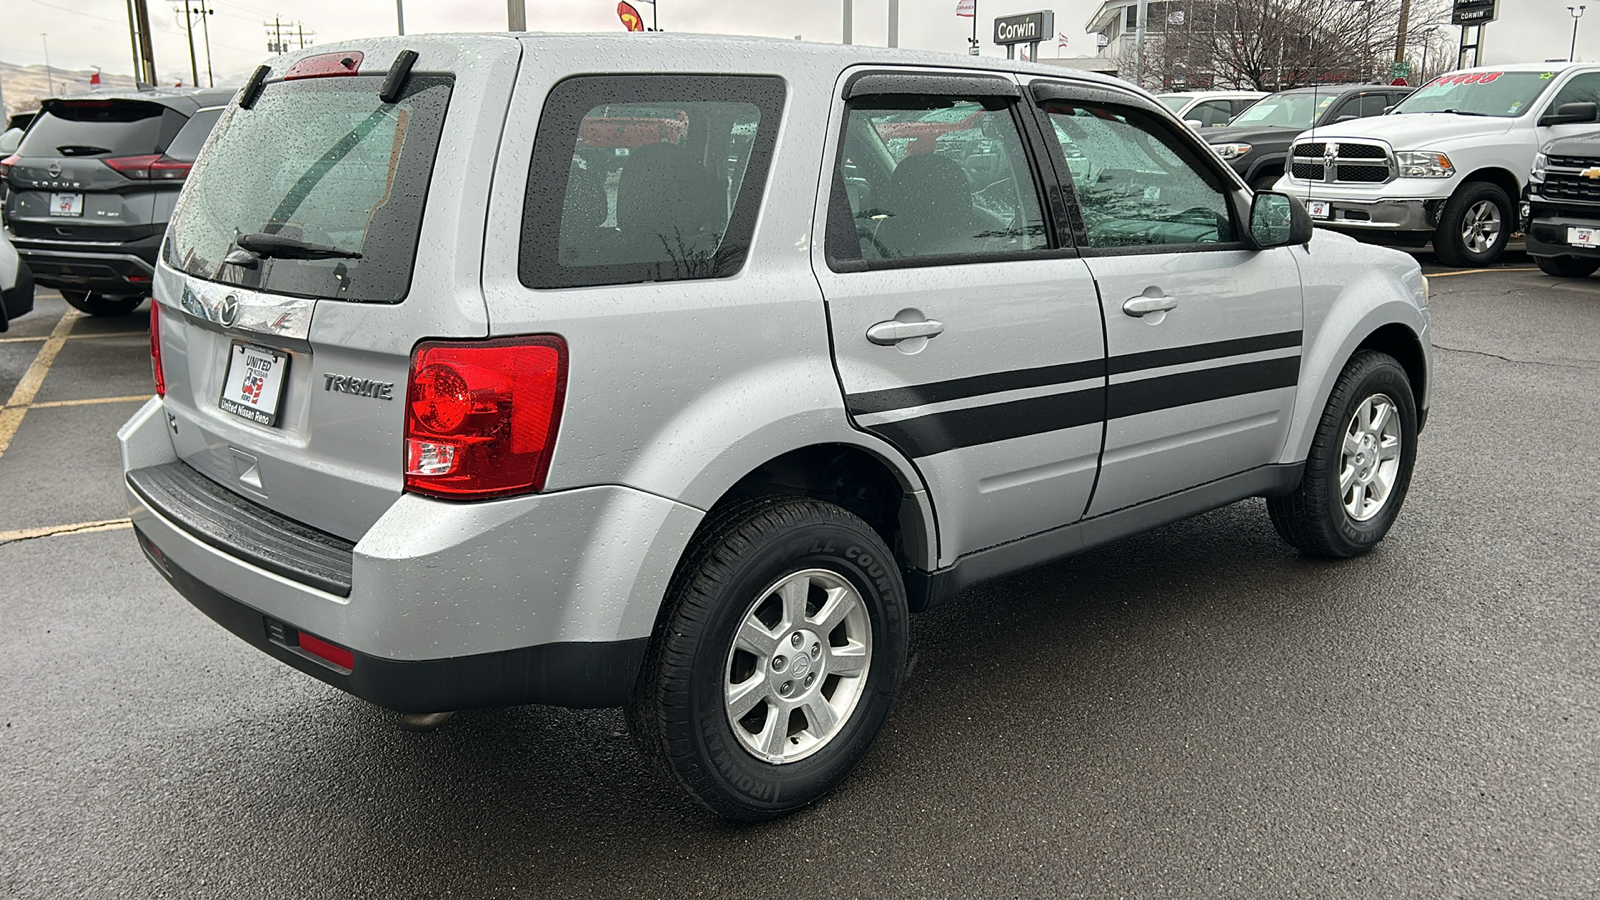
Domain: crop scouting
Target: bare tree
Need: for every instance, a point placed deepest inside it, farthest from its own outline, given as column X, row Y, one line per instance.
column 1278, row 44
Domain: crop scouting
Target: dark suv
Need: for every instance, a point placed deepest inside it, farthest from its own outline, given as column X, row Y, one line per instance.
column 1563, row 206
column 92, row 187
column 1257, row 141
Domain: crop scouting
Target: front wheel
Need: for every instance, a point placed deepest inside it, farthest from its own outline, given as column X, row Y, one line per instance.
column 779, row 659
column 1359, row 467
column 1474, row 227
column 96, row 304
column 1567, row 266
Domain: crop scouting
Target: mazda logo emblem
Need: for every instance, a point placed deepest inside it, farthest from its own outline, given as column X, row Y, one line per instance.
column 228, row 312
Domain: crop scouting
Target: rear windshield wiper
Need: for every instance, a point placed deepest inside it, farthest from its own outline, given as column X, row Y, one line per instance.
column 276, row 245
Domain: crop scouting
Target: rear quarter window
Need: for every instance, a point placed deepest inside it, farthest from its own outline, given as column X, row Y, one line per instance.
column 639, row 178
column 321, row 161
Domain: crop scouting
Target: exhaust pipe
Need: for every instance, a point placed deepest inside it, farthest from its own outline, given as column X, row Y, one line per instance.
column 424, row 722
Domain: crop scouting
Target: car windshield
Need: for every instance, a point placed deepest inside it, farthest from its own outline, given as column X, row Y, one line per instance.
column 1174, row 102
column 1504, row 94
column 1289, row 109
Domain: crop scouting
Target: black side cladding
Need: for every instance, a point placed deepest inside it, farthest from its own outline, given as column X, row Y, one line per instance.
column 395, row 82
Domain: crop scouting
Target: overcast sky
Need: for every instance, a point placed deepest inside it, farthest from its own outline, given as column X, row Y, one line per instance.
column 84, row 33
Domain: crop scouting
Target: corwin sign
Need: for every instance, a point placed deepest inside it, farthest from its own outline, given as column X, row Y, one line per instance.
column 1474, row 12
column 1027, row 28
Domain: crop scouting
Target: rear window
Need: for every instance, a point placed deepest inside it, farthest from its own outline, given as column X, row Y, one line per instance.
column 647, row 178
column 101, row 128
column 186, row 146
column 318, row 161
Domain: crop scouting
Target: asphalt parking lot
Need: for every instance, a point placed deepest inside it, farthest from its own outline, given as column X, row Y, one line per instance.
column 1198, row 712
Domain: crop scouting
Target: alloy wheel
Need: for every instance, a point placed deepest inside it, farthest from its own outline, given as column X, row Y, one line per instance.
column 1369, row 463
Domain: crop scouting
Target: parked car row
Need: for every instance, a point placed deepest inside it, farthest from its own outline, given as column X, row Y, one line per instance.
column 91, row 186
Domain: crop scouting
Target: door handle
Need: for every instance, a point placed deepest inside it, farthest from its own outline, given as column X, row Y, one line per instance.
column 887, row 334
column 1139, row 306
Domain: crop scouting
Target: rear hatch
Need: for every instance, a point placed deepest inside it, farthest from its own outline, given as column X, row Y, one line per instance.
column 89, row 171
column 322, row 234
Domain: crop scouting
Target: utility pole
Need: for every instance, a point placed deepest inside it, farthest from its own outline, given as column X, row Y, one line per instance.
column 205, row 26
column 133, row 41
column 300, row 28
column 48, row 74
column 516, row 15
column 147, row 50
column 275, row 31
column 894, row 23
column 1400, row 36
column 849, row 22
column 1138, row 50
column 188, row 27
column 400, row 16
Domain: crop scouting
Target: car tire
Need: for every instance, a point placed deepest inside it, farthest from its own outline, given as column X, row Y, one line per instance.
column 1366, row 439
column 1474, row 227
column 1264, row 182
column 723, row 680
column 1567, row 266
column 96, row 304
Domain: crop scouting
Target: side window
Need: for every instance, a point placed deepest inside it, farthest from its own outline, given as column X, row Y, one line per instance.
column 1241, row 104
column 1136, row 183
column 1373, row 104
column 1211, row 112
column 641, row 178
column 1581, row 89
column 929, row 176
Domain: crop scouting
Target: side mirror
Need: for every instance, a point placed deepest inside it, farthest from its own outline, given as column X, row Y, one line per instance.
column 1193, row 123
column 1278, row 220
column 1572, row 113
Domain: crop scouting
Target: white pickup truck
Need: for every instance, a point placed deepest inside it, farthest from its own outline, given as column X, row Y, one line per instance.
column 1448, row 163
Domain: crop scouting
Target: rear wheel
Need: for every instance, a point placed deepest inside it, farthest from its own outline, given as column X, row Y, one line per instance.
column 1567, row 266
column 1359, row 467
column 779, row 659
column 97, row 304
column 1474, row 227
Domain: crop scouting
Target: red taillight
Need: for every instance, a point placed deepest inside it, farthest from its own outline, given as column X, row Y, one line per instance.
column 155, row 350
column 150, row 167
column 321, row 649
column 481, row 417
column 325, row 64
column 7, row 163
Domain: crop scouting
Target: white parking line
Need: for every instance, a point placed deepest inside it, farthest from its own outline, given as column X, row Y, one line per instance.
column 16, row 407
column 25, row 534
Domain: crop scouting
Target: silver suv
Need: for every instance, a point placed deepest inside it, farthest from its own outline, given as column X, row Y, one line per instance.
column 677, row 387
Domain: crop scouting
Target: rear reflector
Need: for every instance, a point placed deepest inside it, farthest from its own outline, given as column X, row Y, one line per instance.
column 324, row 65
column 155, row 350
column 323, row 650
column 481, row 416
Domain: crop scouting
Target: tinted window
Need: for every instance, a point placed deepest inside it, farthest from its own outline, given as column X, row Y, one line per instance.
column 1582, row 89
column 1174, row 102
column 1506, row 94
column 186, row 146
column 1136, row 183
column 1374, row 104
column 101, row 128
column 321, row 161
column 929, row 177
column 647, row 178
column 1212, row 112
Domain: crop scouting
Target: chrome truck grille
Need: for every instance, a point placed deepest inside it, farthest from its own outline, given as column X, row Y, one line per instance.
column 1341, row 162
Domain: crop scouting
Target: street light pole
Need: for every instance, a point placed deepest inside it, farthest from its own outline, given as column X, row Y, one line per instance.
column 188, row 27
column 400, row 15
column 849, row 22
column 1577, row 13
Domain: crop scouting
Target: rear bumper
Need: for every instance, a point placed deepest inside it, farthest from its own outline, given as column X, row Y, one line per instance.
column 18, row 300
column 542, row 599
column 116, row 269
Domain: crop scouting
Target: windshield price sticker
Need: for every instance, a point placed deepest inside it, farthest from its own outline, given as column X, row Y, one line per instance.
column 254, row 384
column 1467, row 78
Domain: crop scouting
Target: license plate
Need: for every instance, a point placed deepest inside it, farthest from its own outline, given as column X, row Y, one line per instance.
column 1320, row 209
column 253, row 387
column 1583, row 237
column 66, row 204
